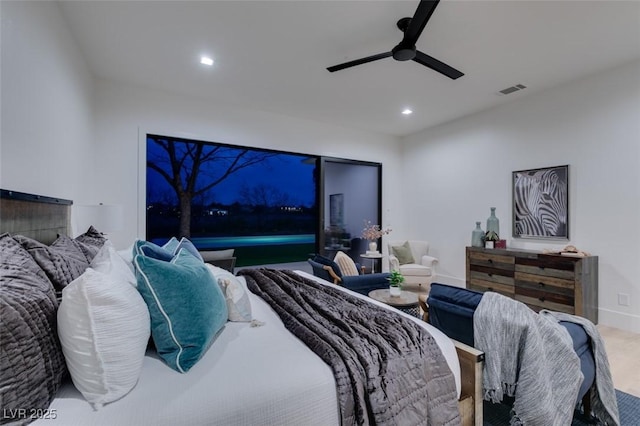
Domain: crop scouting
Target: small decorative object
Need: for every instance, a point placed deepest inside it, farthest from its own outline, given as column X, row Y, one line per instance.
column 372, row 233
column 541, row 203
column 502, row 244
column 490, row 239
column 395, row 283
column 493, row 224
column 477, row 235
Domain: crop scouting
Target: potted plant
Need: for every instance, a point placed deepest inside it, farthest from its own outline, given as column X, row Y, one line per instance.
column 395, row 282
column 490, row 239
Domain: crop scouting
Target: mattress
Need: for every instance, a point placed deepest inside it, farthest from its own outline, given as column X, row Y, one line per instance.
column 249, row 376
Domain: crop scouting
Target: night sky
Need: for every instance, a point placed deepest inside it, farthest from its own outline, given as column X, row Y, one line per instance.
column 286, row 172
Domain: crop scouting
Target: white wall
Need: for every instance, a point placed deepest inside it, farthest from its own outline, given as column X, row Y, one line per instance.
column 359, row 184
column 125, row 114
column 46, row 99
column 456, row 171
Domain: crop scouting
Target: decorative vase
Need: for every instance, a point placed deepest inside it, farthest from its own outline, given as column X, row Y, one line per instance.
column 373, row 247
column 394, row 290
column 477, row 236
column 493, row 224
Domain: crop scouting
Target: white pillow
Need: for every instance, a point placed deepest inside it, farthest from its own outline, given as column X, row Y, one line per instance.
column 110, row 261
column 127, row 256
column 104, row 328
column 346, row 264
column 235, row 293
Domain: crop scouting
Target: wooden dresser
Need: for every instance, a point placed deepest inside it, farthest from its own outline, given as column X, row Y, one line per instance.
column 542, row 281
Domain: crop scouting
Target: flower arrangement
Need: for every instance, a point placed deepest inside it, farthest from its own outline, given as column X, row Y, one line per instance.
column 372, row 232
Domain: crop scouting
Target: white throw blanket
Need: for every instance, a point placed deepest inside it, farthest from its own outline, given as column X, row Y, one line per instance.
column 604, row 404
column 527, row 356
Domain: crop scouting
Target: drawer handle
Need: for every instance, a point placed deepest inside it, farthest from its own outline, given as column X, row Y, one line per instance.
column 541, row 284
column 490, row 260
column 541, row 298
column 490, row 274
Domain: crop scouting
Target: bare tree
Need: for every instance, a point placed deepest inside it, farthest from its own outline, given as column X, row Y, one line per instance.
column 262, row 198
column 262, row 195
column 181, row 164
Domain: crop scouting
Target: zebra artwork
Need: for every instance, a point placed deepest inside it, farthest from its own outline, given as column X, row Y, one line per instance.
column 540, row 203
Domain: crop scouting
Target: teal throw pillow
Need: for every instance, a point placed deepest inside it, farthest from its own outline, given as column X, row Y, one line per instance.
column 167, row 251
column 186, row 306
column 171, row 245
column 188, row 245
column 152, row 250
column 403, row 253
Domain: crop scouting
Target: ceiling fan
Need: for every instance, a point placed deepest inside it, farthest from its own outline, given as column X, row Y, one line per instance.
column 406, row 49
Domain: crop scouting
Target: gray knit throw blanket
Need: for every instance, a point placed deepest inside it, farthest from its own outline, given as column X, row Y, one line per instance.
column 604, row 404
column 529, row 357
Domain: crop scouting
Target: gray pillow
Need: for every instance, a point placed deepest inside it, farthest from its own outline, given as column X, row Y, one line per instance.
column 62, row 261
column 32, row 365
column 91, row 242
column 403, row 253
column 209, row 255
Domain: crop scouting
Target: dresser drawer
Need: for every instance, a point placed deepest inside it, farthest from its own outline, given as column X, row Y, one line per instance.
column 479, row 285
column 541, row 302
column 544, row 283
column 491, row 260
column 546, row 271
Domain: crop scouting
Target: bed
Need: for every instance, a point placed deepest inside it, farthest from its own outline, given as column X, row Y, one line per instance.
column 249, row 375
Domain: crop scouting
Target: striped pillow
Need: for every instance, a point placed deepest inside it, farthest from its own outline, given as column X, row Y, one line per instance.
column 346, row 264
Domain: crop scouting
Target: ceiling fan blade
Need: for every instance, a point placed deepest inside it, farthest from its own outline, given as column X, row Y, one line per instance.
column 436, row 65
column 359, row 61
column 419, row 21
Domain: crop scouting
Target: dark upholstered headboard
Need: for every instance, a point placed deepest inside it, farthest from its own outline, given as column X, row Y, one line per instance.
column 34, row 216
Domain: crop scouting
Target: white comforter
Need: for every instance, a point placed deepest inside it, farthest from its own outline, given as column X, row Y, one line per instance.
column 249, row 376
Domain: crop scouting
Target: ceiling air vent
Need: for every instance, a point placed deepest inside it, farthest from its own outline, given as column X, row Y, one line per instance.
column 512, row 89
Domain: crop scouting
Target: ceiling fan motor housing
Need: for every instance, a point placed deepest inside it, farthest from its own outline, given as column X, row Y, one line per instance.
column 403, row 53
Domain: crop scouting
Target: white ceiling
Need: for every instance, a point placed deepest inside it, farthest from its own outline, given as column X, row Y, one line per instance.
column 272, row 55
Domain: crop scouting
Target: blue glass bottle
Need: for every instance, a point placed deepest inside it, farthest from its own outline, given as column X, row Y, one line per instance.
column 477, row 236
column 493, row 224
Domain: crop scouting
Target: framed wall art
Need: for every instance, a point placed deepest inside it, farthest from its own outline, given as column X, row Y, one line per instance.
column 336, row 210
column 541, row 203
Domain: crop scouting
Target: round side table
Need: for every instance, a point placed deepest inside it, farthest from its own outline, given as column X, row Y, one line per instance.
column 375, row 257
column 406, row 302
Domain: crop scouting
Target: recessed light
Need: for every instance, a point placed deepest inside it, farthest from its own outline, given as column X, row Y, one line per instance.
column 407, row 111
column 205, row 60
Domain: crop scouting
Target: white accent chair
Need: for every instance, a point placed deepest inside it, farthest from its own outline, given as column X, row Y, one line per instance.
column 419, row 274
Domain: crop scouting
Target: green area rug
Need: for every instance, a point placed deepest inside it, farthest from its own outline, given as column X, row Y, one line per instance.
column 628, row 407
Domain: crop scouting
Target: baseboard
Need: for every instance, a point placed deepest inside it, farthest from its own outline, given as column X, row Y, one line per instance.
column 446, row 279
column 619, row 320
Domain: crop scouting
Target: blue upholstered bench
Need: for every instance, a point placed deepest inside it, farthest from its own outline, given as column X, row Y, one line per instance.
column 451, row 311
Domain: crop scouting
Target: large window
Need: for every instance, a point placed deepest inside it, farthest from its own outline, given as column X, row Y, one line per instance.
column 262, row 203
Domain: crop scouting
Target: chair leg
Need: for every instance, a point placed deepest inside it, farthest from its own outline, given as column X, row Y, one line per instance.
column 422, row 302
column 586, row 403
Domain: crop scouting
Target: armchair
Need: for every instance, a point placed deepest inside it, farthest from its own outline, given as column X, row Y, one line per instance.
column 329, row 270
column 451, row 310
column 412, row 259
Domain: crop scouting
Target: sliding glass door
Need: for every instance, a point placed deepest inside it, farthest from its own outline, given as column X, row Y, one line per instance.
column 350, row 196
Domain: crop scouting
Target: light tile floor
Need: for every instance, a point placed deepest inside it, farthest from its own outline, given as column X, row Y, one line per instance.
column 623, row 351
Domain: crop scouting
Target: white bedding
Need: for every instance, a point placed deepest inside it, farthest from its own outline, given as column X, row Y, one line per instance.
column 249, row 376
